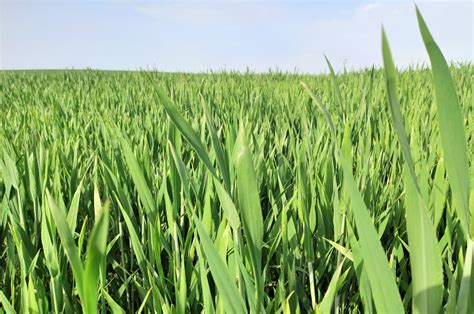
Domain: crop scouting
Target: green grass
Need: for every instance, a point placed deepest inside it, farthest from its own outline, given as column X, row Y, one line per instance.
column 176, row 193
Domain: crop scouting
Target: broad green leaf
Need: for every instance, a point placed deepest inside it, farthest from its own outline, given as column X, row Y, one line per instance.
column 32, row 302
column 361, row 273
column 206, row 293
column 384, row 289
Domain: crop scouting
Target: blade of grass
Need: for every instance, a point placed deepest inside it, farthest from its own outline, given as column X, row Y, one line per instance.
column 225, row 284
column 451, row 126
column 425, row 256
column 74, row 208
column 114, row 307
column 95, row 253
column 465, row 302
column 328, row 299
column 70, row 248
column 216, row 144
column 384, row 289
column 183, row 126
column 249, row 205
column 335, row 85
column 6, row 304
column 136, row 172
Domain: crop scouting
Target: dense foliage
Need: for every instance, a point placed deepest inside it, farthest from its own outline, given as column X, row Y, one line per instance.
column 231, row 192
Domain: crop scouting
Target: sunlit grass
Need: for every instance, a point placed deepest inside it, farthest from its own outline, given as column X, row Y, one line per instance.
column 178, row 193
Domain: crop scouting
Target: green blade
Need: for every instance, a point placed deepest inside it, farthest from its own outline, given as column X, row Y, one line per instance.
column 465, row 302
column 384, row 289
column 225, row 284
column 425, row 255
column 216, row 144
column 328, row 299
column 451, row 126
column 136, row 172
column 95, row 257
column 184, row 127
column 394, row 105
column 70, row 248
column 249, row 205
column 6, row 304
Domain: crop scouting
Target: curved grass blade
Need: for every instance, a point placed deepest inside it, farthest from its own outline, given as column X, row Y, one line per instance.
column 335, row 85
column 451, row 126
column 225, row 285
column 216, row 144
column 394, row 105
column 425, row 256
column 384, row 289
column 208, row 305
column 70, row 248
column 184, row 127
column 228, row 206
column 137, row 175
column 361, row 273
column 115, row 308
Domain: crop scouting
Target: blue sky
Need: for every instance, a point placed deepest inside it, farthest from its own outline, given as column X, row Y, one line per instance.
column 198, row 36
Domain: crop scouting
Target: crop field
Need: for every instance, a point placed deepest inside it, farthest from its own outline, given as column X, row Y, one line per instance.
column 228, row 192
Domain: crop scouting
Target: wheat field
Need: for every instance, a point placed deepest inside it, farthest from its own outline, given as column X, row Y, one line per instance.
column 238, row 192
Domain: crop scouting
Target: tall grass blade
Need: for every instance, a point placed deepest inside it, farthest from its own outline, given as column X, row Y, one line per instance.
column 451, row 126
column 425, row 256
column 249, row 205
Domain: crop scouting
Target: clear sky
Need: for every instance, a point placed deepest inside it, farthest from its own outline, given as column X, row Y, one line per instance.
column 225, row 35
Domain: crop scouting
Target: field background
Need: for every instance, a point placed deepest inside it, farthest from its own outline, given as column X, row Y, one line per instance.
column 102, row 141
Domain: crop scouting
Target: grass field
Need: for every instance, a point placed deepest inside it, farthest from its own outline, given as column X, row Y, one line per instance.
column 178, row 193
